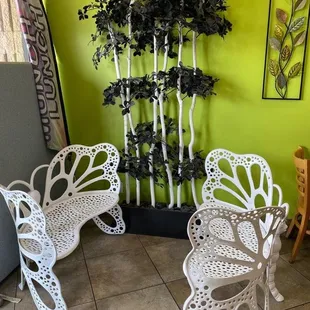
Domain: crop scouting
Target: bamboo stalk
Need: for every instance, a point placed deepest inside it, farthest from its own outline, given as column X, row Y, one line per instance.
column 128, row 116
column 180, row 101
column 127, row 180
column 155, row 102
column 123, row 99
column 163, row 128
column 132, row 128
column 191, row 122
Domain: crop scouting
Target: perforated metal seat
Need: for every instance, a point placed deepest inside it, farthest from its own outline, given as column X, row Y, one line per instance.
column 65, row 219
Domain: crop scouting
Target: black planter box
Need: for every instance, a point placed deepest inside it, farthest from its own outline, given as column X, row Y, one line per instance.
column 156, row 222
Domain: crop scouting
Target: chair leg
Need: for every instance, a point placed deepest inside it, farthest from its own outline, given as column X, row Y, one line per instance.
column 267, row 307
column 273, row 263
column 292, row 225
column 22, row 276
column 300, row 237
column 22, row 280
column 266, row 289
column 117, row 214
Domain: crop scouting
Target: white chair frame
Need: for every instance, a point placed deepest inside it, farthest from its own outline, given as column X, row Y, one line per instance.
column 30, row 224
column 61, row 218
column 224, row 254
column 245, row 196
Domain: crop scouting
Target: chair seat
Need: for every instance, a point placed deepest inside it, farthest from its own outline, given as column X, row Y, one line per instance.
column 65, row 219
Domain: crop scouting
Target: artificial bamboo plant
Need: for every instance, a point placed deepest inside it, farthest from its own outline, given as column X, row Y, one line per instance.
column 134, row 28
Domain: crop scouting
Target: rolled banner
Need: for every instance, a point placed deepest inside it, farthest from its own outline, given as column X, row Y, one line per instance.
column 36, row 32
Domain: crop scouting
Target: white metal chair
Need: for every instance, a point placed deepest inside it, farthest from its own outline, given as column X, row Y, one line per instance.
column 30, row 226
column 81, row 184
column 230, row 247
column 238, row 182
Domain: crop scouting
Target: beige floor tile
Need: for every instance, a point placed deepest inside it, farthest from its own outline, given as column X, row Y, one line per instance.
column 180, row 290
column 8, row 287
column 97, row 243
column 302, row 262
column 89, row 223
column 75, row 282
column 153, row 298
column 75, row 256
column 75, row 285
column 292, row 285
column 168, row 258
column 89, row 306
column 287, row 244
column 123, row 268
column 26, row 305
column 153, row 240
column 121, row 273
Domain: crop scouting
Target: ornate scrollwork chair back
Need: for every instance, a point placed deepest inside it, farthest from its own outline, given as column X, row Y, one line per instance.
column 229, row 247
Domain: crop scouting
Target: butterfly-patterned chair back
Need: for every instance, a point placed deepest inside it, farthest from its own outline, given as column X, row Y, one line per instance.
column 228, row 247
column 244, row 179
column 31, row 228
column 78, row 167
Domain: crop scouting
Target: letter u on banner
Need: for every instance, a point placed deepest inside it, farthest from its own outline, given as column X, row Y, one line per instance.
column 36, row 32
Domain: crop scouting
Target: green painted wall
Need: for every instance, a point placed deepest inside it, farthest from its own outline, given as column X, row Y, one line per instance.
column 236, row 119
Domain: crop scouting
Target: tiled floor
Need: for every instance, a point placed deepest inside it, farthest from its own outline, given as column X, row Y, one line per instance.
column 133, row 272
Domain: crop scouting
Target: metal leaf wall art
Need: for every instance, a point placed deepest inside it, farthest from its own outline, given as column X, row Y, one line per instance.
column 288, row 25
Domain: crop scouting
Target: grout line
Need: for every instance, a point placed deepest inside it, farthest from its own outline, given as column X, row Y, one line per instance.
column 290, row 251
column 159, row 243
column 109, row 254
column 292, row 266
column 307, row 303
column 124, row 251
column 91, row 285
column 173, row 296
column 160, row 276
column 175, row 280
column 157, row 269
column 114, row 253
column 138, row 237
column 133, row 291
column 153, row 263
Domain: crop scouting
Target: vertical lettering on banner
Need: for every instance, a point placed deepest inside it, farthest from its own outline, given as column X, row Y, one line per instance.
column 40, row 49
